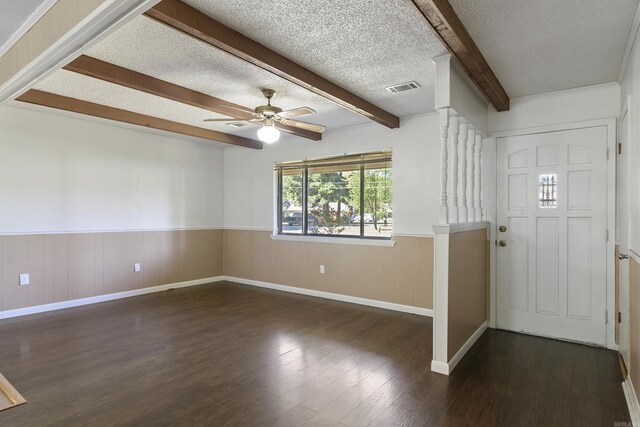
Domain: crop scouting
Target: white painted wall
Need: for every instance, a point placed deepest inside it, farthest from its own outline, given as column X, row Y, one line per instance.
column 466, row 101
column 65, row 174
column 631, row 86
column 455, row 90
column 249, row 178
column 587, row 103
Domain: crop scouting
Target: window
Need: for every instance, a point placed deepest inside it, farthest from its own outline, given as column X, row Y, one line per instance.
column 345, row 196
column 547, row 185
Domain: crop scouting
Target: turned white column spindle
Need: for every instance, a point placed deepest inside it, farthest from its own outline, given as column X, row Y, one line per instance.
column 444, row 160
column 454, row 130
column 462, row 171
column 471, row 212
column 478, row 186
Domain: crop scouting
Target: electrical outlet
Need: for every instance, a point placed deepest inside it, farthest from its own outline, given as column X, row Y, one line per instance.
column 136, row 267
column 24, row 279
column 322, row 269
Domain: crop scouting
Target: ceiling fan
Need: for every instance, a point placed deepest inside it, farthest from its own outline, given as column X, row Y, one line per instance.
column 269, row 115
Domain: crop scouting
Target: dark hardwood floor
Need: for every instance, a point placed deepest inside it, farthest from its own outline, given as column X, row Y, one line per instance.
column 228, row 354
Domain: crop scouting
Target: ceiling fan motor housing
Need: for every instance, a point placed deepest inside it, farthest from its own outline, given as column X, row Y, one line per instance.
column 268, row 110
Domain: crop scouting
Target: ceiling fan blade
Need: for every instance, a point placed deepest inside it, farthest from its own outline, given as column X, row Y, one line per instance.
column 225, row 120
column 238, row 108
column 298, row 112
column 304, row 125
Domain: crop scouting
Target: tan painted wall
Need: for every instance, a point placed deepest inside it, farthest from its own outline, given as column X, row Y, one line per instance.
column 58, row 20
column 69, row 266
column 634, row 321
column 468, row 257
column 402, row 274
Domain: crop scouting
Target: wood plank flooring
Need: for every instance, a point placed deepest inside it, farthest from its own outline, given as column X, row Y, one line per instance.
column 227, row 354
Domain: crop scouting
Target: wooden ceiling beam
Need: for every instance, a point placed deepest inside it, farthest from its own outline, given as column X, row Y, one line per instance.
column 448, row 27
column 194, row 23
column 115, row 74
column 103, row 111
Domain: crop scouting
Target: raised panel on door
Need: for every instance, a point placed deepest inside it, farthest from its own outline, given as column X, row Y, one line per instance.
column 579, row 268
column 518, row 265
column 547, row 267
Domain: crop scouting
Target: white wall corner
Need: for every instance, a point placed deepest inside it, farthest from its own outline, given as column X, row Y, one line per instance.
column 440, row 303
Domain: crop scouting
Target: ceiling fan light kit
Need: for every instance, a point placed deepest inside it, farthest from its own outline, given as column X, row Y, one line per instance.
column 268, row 134
column 270, row 114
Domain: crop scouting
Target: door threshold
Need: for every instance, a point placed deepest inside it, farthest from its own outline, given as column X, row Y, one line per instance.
column 590, row 344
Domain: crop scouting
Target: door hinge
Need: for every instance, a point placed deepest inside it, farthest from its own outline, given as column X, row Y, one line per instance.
column 606, row 317
column 606, row 235
column 619, row 317
column 619, row 147
column 607, row 153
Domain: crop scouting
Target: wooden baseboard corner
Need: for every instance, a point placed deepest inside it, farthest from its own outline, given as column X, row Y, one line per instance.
column 9, row 396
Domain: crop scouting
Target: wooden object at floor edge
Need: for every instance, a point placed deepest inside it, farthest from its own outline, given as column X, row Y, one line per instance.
column 11, row 394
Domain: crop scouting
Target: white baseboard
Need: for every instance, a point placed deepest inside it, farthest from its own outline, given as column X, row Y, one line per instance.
column 338, row 297
column 119, row 295
column 632, row 401
column 440, row 367
column 102, row 298
column 447, row 368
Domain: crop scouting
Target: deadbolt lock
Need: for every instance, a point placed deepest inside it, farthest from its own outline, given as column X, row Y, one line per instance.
column 502, row 243
column 502, row 228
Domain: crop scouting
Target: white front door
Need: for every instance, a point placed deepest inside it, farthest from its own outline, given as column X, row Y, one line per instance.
column 551, row 261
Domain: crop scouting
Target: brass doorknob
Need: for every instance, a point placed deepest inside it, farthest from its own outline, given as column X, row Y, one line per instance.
column 502, row 243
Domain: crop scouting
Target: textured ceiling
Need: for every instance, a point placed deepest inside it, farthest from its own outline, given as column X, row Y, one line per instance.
column 362, row 45
column 13, row 13
column 356, row 44
column 149, row 47
column 549, row 45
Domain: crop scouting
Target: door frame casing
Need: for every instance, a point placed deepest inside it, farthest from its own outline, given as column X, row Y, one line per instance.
column 611, row 125
column 625, row 111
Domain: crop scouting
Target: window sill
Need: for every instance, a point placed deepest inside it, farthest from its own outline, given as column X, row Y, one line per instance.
column 338, row 240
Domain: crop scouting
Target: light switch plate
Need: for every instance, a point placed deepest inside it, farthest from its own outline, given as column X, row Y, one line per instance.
column 136, row 267
column 322, row 269
column 24, row 279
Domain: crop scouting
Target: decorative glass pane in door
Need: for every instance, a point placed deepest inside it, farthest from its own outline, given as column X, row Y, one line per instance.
column 547, row 189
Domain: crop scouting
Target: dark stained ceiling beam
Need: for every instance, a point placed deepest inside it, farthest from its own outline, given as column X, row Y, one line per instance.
column 115, row 74
column 103, row 111
column 188, row 20
column 456, row 38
